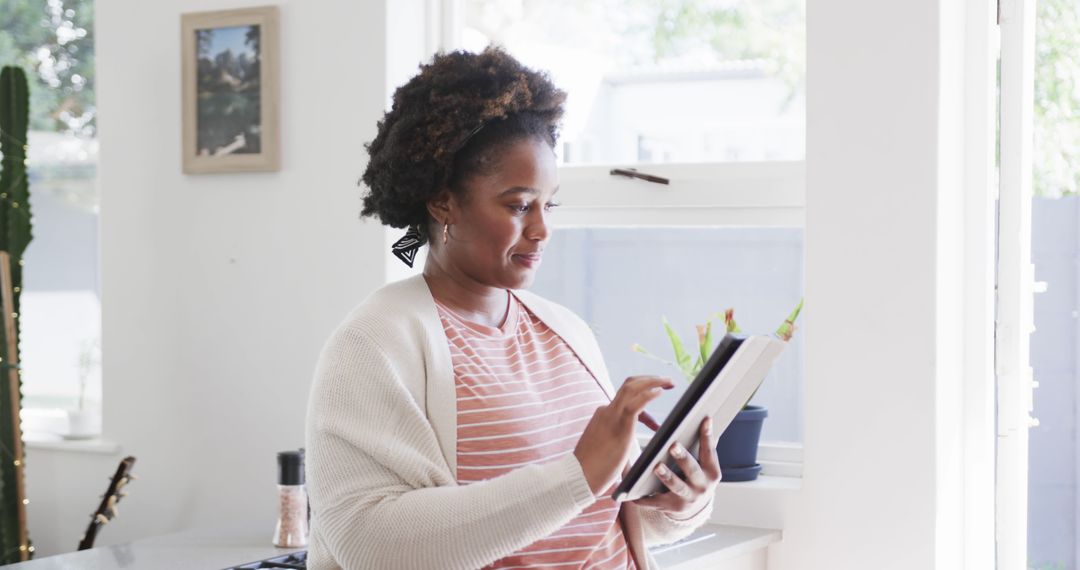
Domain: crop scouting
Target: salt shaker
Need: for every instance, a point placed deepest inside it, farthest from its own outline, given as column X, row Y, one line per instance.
column 292, row 525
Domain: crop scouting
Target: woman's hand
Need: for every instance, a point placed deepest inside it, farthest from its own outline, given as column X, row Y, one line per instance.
column 605, row 444
column 689, row 494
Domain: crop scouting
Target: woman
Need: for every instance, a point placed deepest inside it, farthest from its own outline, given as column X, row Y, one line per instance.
column 457, row 421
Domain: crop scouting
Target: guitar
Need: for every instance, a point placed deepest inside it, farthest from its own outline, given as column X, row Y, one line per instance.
column 106, row 511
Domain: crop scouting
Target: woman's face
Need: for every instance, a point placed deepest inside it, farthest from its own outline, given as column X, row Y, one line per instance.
column 500, row 226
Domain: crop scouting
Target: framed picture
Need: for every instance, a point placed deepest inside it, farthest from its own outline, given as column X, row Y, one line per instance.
column 229, row 64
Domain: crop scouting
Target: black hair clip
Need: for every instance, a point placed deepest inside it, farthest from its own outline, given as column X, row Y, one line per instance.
column 405, row 248
column 471, row 134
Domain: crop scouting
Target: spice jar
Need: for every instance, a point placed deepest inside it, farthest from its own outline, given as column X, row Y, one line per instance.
column 292, row 525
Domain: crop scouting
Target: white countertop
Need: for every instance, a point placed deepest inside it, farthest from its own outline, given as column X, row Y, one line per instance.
column 222, row 548
column 200, row 548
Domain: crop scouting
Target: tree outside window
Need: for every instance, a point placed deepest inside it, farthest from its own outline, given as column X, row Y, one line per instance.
column 1057, row 98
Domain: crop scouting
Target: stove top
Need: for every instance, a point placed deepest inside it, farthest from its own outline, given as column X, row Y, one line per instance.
column 293, row 560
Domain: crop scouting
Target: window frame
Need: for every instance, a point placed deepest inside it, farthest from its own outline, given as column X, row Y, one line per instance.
column 51, row 153
column 701, row 194
column 750, row 194
column 1015, row 317
column 734, row 194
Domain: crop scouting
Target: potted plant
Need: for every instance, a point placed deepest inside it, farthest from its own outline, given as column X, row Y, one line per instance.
column 737, row 447
column 84, row 422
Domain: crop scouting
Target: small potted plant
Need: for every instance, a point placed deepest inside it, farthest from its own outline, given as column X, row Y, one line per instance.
column 737, row 448
column 84, row 421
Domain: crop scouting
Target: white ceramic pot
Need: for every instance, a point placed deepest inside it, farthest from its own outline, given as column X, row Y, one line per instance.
column 83, row 424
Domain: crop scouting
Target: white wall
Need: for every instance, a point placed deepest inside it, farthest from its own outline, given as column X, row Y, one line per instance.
column 889, row 480
column 218, row 290
column 880, row 180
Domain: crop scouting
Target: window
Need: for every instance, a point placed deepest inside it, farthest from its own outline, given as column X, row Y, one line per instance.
column 708, row 95
column 674, row 81
column 61, row 317
column 620, row 279
column 1053, row 474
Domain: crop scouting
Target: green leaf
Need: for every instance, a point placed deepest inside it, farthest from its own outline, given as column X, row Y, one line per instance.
column 787, row 328
column 641, row 350
column 682, row 358
column 706, row 343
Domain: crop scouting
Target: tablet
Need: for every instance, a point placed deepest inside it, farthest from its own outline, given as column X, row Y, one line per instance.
column 726, row 382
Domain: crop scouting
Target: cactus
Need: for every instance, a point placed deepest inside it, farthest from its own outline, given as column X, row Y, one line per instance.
column 15, row 235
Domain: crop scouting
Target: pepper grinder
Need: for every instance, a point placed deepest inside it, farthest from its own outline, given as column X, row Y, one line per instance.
column 292, row 525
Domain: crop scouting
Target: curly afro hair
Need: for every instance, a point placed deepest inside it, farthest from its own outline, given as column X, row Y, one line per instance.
column 449, row 123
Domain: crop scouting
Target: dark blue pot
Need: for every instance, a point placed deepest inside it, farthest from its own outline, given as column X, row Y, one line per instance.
column 738, row 445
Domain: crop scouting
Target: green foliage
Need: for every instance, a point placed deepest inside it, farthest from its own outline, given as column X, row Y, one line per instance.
column 787, row 328
column 662, row 33
column 705, row 342
column 682, row 357
column 54, row 39
column 1057, row 98
column 1047, row 566
column 15, row 235
column 773, row 31
column 688, row 365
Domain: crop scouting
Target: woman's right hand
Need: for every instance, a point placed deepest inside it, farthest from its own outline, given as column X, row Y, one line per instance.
column 605, row 444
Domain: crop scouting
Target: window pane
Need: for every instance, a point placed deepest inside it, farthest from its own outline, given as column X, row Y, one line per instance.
column 1053, row 475
column 1057, row 98
column 60, row 316
column 1053, row 453
column 61, row 308
column 623, row 280
column 677, row 81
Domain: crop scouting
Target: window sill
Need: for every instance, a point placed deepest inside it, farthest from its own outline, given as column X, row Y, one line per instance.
column 53, row 442
column 780, row 462
column 766, row 483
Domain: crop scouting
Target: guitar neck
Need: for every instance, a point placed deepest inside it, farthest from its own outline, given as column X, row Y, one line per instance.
column 107, row 508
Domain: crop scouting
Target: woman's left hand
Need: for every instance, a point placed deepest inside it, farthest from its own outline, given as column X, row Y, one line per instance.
column 688, row 494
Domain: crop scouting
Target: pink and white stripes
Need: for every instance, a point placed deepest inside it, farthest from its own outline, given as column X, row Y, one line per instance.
column 524, row 397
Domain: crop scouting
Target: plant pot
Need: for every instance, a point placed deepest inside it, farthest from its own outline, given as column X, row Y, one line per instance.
column 83, row 424
column 737, row 448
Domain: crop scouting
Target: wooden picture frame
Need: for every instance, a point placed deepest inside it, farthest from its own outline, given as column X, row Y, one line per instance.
column 229, row 67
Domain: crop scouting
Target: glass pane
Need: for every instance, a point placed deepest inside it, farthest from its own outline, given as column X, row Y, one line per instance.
column 1052, row 473
column 1054, row 451
column 623, row 280
column 1057, row 98
column 681, row 81
column 61, row 308
column 60, row 314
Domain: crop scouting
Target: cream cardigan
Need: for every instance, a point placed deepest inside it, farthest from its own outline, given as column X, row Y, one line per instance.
column 381, row 451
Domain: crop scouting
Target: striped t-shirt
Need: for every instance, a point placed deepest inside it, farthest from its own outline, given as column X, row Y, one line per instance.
column 524, row 397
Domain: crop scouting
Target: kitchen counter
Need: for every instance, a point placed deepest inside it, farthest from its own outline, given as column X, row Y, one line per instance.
column 194, row 549
column 710, row 546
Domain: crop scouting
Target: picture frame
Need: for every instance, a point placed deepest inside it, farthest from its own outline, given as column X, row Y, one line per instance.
column 230, row 66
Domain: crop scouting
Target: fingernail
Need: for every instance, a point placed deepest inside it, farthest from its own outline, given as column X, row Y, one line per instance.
column 677, row 451
column 708, row 426
column 663, row 470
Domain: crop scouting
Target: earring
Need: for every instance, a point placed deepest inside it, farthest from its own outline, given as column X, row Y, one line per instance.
column 405, row 248
column 445, row 232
